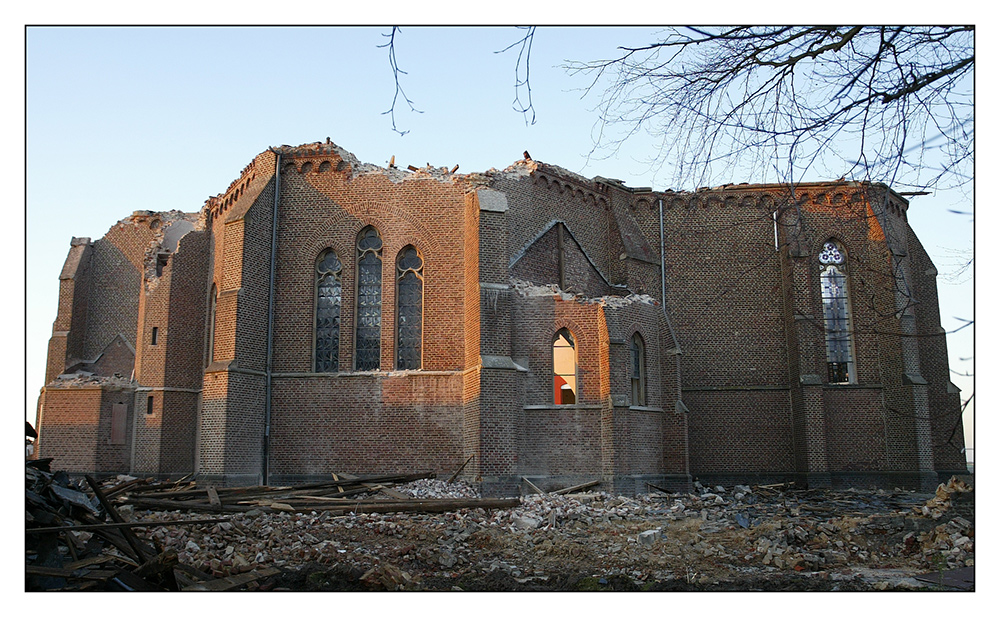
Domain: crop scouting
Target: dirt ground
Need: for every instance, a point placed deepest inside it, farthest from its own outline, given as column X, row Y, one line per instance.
column 718, row 538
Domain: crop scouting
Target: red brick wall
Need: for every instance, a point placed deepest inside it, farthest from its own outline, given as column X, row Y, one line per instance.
column 855, row 438
column 945, row 405
column 327, row 209
column 748, row 318
column 116, row 267
column 562, row 441
column 739, row 431
column 367, row 424
column 75, row 429
column 68, row 428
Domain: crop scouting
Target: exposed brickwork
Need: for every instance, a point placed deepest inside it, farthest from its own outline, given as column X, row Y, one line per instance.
column 735, row 380
column 77, row 428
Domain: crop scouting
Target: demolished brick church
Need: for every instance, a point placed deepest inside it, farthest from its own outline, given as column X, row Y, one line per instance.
column 324, row 315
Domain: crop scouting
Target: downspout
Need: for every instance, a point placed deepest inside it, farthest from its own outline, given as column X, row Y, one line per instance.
column 270, row 319
column 663, row 302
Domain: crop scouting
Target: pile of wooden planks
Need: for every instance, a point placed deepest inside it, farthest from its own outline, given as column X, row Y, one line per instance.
column 71, row 545
column 338, row 495
column 77, row 540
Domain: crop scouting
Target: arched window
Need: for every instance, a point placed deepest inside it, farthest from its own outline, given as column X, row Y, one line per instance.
column 638, row 373
column 328, row 294
column 836, row 314
column 409, row 308
column 212, row 302
column 368, row 332
column 564, row 368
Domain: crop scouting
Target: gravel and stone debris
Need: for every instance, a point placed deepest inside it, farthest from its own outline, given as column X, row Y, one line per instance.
column 716, row 537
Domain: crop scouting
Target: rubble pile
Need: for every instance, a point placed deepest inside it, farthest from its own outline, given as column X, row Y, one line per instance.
column 742, row 537
column 944, row 498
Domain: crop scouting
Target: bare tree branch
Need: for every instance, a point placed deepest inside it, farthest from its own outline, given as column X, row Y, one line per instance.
column 523, row 55
column 793, row 100
column 396, row 72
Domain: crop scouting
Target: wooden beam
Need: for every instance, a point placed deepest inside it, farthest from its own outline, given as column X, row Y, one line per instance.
column 133, row 541
column 455, row 475
column 578, row 487
column 537, row 490
column 103, row 526
column 224, row 584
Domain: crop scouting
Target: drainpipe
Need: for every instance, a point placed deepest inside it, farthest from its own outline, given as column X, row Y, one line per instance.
column 663, row 302
column 270, row 319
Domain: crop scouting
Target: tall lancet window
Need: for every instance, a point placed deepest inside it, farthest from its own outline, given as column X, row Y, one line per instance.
column 368, row 335
column 328, row 294
column 836, row 314
column 564, row 368
column 409, row 308
column 638, row 373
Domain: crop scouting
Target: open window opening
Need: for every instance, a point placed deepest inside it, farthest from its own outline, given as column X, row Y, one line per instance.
column 564, row 368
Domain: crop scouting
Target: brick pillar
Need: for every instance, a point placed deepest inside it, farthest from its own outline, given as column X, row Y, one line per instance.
column 500, row 409
column 805, row 346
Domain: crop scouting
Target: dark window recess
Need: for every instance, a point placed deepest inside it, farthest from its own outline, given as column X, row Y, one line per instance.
column 328, row 295
column 149, row 405
column 118, row 421
column 368, row 333
column 838, row 372
column 155, row 332
column 161, row 262
column 410, row 304
column 638, row 376
column 210, row 355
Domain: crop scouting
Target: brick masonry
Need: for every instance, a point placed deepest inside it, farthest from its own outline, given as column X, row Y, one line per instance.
column 734, row 386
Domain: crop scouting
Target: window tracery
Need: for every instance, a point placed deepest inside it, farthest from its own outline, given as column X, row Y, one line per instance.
column 368, row 331
column 409, row 311
column 836, row 314
column 328, row 298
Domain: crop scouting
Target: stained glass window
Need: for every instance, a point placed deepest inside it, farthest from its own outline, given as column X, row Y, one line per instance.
column 328, row 295
column 564, row 368
column 368, row 336
column 410, row 303
column 638, row 373
column 836, row 314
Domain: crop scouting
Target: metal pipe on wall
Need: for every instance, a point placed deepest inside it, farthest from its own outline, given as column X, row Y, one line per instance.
column 270, row 321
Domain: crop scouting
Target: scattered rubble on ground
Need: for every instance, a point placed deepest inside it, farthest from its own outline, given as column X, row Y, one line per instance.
column 762, row 537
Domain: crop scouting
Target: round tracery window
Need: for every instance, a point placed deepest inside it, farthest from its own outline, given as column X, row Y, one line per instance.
column 831, row 254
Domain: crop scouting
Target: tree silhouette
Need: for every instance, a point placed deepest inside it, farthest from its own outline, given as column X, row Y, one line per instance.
column 892, row 104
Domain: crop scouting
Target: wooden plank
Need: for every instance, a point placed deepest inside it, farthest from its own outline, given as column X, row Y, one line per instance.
column 80, row 573
column 455, row 475
column 537, row 490
column 419, row 505
column 578, row 487
column 662, row 490
column 90, row 561
column 124, row 486
column 368, row 505
column 193, row 573
column 130, row 582
column 162, row 562
column 130, row 537
column 102, row 526
column 193, row 506
column 230, row 582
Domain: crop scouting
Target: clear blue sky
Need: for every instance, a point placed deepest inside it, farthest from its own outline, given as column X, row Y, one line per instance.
column 124, row 119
